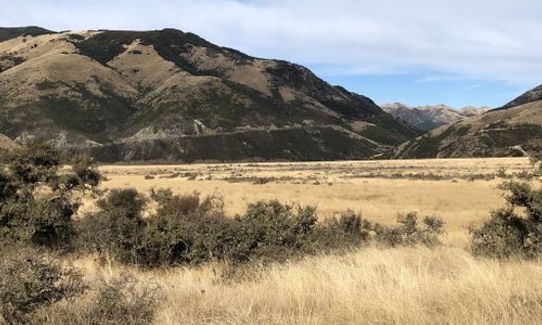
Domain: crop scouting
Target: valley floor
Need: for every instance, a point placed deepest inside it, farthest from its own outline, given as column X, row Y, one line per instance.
column 374, row 285
column 461, row 191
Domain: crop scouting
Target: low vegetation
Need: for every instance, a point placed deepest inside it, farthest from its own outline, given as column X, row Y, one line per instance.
column 160, row 229
column 186, row 229
column 30, row 281
column 515, row 231
column 37, row 202
column 118, row 301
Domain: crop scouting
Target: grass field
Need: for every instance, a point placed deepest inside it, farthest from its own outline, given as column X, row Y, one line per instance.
column 371, row 286
column 374, row 285
column 461, row 191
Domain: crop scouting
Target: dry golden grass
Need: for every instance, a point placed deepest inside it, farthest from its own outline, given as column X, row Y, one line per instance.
column 369, row 286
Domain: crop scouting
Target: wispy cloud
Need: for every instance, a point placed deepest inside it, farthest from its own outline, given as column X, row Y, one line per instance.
column 472, row 87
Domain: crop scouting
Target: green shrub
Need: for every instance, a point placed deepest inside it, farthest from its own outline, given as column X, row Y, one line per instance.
column 185, row 229
column 117, row 228
column 348, row 230
column 44, row 220
column 30, row 281
column 34, row 164
column 37, row 201
column 7, row 188
column 509, row 233
column 270, row 230
column 409, row 232
column 85, row 174
column 50, row 221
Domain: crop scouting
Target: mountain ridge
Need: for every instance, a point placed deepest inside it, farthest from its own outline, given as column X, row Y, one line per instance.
column 429, row 117
column 511, row 130
column 532, row 95
column 7, row 33
column 172, row 96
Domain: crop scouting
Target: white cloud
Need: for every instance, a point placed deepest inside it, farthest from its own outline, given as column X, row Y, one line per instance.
column 498, row 40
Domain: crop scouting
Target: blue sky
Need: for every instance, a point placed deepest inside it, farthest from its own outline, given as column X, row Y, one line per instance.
column 455, row 52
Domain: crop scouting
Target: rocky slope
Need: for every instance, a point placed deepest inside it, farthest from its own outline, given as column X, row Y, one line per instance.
column 172, row 96
column 427, row 118
column 507, row 131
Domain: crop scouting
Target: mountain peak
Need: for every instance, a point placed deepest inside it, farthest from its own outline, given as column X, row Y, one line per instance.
column 428, row 117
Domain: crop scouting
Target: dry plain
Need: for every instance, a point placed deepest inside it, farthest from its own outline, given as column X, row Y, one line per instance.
column 460, row 191
column 446, row 285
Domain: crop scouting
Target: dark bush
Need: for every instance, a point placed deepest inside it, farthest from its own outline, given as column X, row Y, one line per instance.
column 186, row 229
column 44, row 220
column 270, row 230
column 50, row 221
column 34, row 165
column 85, row 174
column 37, row 200
column 30, row 281
column 409, row 232
column 7, row 188
column 348, row 230
column 508, row 232
column 117, row 228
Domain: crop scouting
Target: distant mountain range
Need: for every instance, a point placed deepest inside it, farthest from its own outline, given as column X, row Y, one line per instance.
column 510, row 130
column 432, row 116
column 172, row 96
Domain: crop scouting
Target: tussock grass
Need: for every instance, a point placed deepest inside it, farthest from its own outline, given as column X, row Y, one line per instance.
column 368, row 286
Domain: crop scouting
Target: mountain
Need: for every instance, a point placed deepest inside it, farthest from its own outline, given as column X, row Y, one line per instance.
column 430, row 117
column 9, row 33
column 507, row 131
column 532, row 95
column 172, row 96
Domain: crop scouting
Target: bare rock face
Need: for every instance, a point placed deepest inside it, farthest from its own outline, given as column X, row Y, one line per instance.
column 172, row 96
column 508, row 131
column 430, row 117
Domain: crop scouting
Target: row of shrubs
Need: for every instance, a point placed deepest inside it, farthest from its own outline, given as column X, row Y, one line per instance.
column 186, row 229
column 38, row 203
column 37, row 207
